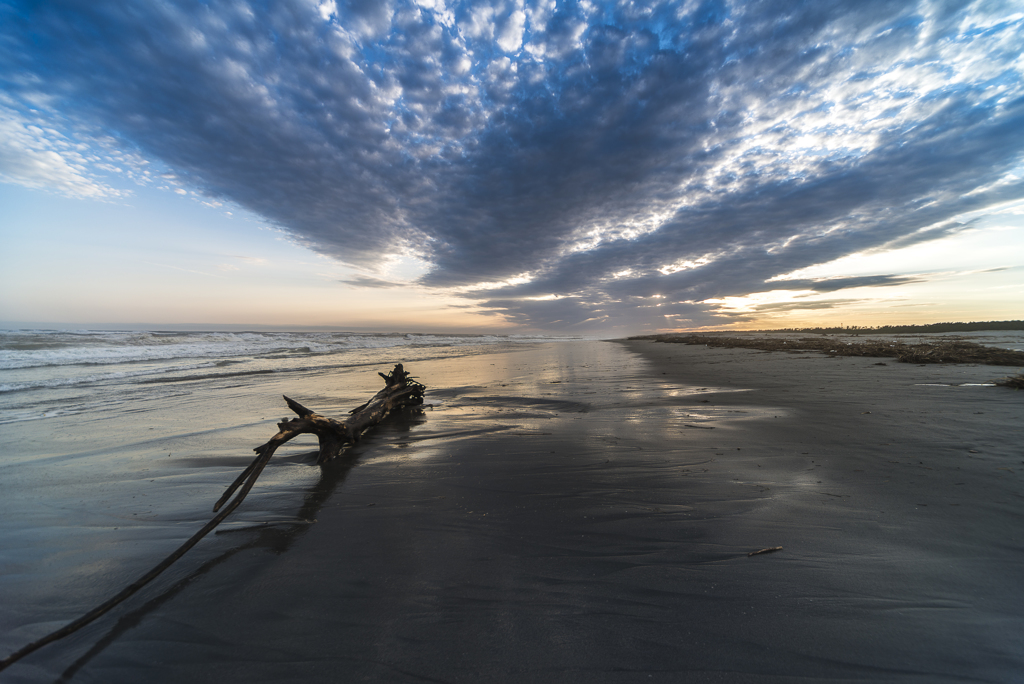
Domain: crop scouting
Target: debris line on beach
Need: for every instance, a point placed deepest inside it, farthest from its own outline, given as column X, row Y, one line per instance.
column 1014, row 381
column 400, row 390
column 942, row 351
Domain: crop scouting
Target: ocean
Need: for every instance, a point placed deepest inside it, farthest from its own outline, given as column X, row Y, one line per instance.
column 49, row 373
column 558, row 509
column 116, row 445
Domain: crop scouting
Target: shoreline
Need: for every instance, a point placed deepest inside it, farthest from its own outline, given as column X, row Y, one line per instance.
column 906, row 348
column 584, row 511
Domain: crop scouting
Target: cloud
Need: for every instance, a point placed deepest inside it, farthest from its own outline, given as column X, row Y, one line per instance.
column 368, row 281
column 835, row 284
column 599, row 154
column 42, row 158
column 781, row 307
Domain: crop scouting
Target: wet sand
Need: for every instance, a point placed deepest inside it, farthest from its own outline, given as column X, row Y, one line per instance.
column 583, row 512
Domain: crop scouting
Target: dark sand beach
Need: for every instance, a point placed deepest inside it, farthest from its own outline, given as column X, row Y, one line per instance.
column 583, row 512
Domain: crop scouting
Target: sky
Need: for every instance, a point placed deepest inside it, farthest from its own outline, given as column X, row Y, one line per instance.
column 509, row 165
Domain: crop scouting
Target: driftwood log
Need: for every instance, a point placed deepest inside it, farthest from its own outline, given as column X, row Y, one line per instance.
column 400, row 390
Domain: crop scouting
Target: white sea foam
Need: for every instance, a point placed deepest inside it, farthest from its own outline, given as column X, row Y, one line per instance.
column 41, row 371
column 36, row 349
column 90, row 378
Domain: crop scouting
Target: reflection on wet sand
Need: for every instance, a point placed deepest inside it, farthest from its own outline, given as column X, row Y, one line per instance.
column 563, row 513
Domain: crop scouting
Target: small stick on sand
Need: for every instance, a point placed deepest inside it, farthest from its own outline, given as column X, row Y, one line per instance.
column 772, row 549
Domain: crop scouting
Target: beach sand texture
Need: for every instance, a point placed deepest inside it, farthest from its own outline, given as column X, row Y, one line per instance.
column 566, row 512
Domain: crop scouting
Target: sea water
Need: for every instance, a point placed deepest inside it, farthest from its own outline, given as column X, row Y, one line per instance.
column 114, row 446
column 48, row 373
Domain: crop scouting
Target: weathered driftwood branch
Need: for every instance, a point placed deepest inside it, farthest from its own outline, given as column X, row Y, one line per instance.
column 770, row 549
column 400, row 390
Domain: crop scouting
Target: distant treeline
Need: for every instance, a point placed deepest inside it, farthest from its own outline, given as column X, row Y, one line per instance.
column 930, row 328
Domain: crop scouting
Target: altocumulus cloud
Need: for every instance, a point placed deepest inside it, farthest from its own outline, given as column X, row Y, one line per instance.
column 561, row 163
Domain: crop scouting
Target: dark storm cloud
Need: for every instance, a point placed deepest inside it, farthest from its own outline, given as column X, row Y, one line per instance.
column 604, row 153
